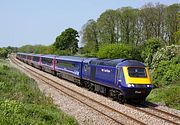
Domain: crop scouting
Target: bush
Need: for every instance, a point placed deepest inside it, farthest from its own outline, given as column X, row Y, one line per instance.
column 3, row 53
column 166, row 53
column 151, row 46
column 169, row 96
column 118, row 51
column 167, row 72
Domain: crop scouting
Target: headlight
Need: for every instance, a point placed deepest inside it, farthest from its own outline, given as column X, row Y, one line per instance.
column 130, row 85
column 149, row 85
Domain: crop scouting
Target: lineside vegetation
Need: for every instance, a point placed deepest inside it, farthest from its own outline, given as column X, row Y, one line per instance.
column 22, row 103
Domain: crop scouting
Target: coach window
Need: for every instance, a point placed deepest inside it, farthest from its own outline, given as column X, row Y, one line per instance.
column 35, row 58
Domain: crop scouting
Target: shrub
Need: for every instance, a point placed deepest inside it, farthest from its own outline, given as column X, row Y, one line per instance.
column 151, row 46
column 166, row 53
column 167, row 72
column 3, row 53
column 118, row 51
column 169, row 96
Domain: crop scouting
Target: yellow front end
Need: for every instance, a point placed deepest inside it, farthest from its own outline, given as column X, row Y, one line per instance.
column 136, row 80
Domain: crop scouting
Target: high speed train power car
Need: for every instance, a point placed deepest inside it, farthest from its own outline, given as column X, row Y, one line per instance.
column 121, row 79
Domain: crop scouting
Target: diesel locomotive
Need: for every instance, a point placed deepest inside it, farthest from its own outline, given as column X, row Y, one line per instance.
column 121, row 79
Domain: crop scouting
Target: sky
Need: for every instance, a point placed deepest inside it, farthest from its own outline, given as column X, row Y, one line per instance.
column 34, row 22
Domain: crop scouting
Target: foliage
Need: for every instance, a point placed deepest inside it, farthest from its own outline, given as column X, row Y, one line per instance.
column 15, row 112
column 133, row 26
column 90, row 40
column 177, row 36
column 3, row 53
column 165, row 53
column 150, row 47
column 128, row 28
column 106, row 25
column 168, row 96
column 168, row 72
column 7, row 50
column 172, row 21
column 34, row 49
column 26, row 49
column 118, row 51
column 21, row 102
column 114, row 51
column 11, row 49
column 67, row 41
column 166, row 76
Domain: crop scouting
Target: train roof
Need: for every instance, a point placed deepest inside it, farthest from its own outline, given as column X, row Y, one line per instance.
column 38, row 55
column 116, row 62
column 25, row 53
column 71, row 58
column 49, row 56
column 88, row 60
column 131, row 63
column 107, row 62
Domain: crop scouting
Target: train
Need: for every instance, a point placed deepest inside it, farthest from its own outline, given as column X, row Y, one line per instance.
column 121, row 79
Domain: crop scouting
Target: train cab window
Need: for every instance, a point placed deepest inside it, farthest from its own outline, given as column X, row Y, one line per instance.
column 86, row 67
column 137, row 72
column 119, row 74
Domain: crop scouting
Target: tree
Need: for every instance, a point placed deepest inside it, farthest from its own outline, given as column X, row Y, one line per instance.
column 3, row 53
column 39, row 49
column 90, row 36
column 108, row 27
column 67, row 41
column 172, row 22
column 128, row 19
column 26, row 49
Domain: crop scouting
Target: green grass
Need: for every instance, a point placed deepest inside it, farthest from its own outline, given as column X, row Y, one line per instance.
column 22, row 103
column 169, row 95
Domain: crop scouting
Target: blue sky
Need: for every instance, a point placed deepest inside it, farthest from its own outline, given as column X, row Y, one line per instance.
column 40, row 21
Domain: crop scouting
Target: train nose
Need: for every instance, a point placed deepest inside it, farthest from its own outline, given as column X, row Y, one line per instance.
column 137, row 93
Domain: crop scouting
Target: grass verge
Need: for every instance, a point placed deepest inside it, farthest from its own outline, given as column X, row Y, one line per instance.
column 169, row 95
column 22, row 103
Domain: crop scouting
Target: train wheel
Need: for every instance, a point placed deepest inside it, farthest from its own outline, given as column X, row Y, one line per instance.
column 120, row 98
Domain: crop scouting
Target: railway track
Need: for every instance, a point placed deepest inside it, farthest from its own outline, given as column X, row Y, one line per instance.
column 90, row 102
column 154, row 112
column 152, row 106
column 100, row 107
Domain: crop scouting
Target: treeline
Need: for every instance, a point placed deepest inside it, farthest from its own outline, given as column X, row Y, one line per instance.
column 128, row 25
column 65, row 44
column 132, row 33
